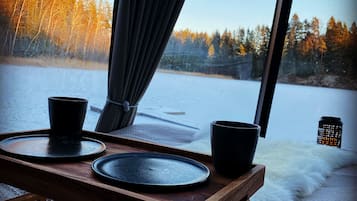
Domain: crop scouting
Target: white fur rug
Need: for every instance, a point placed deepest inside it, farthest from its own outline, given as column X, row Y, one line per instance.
column 293, row 169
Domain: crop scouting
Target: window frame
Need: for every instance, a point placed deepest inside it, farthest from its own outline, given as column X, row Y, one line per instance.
column 272, row 63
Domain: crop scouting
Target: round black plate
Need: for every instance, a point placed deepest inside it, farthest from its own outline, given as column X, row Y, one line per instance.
column 152, row 170
column 38, row 147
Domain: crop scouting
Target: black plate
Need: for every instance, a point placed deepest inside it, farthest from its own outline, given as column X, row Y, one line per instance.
column 38, row 147
column 153, row 171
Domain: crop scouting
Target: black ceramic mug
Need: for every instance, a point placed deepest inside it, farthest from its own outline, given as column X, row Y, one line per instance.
column 67, row 116
column 233, row 146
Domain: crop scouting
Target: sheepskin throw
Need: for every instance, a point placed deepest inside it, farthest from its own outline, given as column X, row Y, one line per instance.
column 293, row 169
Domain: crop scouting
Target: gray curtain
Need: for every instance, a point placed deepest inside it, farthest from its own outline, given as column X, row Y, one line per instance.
column 141, row 30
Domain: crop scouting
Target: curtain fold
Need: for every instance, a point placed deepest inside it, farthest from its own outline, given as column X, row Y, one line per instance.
column 141, row 30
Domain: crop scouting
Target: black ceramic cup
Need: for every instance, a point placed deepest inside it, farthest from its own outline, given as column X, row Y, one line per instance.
column 67, row 116
column 233, row 146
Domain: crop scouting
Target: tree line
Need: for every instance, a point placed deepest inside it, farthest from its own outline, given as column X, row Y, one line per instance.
column 214, row 53
column 82, row 29
column 71, row 28
column 308, row 50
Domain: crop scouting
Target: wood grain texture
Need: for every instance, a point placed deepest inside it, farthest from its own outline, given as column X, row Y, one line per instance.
column 76, row 181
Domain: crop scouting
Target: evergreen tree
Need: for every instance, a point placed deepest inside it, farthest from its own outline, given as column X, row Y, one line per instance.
column 215, row 42
column 226, row 45
column 250, row 43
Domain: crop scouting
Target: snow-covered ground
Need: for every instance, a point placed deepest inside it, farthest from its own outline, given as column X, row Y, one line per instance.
column 192, row 100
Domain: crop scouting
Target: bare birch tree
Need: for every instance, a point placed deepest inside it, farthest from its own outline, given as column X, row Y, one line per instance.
column 17, row 27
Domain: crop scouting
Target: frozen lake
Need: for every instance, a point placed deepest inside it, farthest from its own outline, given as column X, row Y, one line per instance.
column 191, row 100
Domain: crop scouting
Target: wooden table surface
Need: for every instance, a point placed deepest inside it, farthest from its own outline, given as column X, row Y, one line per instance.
column 76, row 181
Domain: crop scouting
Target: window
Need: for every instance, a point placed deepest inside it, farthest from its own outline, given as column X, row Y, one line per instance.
column 213, row 63
column 317, row 74
column 51, row 48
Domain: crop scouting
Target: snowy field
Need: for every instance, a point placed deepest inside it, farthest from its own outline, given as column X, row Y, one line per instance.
column 191, row 100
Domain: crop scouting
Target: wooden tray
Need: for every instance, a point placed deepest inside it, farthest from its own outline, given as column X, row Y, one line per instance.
column 76, row 181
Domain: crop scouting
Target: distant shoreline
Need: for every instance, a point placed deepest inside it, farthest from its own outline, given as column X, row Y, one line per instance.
column 329, row 81
column 53, row 62
column 80, row 64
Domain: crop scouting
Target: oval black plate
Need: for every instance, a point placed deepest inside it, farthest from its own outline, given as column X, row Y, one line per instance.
column 37, row 147
column 153, row 171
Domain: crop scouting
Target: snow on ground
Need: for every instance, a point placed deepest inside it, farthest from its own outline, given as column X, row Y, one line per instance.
column 191, row 100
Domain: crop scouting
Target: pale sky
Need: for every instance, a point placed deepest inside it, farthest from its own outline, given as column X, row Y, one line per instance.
column 210, row 15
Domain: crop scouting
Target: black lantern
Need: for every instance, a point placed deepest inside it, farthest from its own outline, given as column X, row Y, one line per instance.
column 330, row 131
